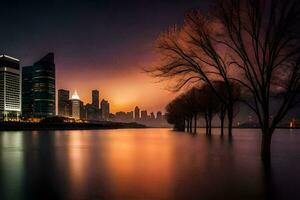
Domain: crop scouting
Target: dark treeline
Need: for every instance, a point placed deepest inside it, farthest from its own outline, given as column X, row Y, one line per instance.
column 199, row 102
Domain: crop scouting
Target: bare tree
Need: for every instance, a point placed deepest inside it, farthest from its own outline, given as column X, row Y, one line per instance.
column 193, row 101
column 191, row 54
column 189, row 106
column 263, row 41
column 220, row 88
column 210, row 105
column 255, row 43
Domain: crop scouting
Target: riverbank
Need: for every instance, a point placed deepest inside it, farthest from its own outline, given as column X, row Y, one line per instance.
column 30, row 126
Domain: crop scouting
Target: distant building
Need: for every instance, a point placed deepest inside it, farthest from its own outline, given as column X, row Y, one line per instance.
column 124, row 117
column 136, row 113
column 10, row 88
column 76, row 106
column 121, row 116
column 112, row 116
column 152, row 116
column 144, row 115
column 105, row 110
column 95, row 98
column 39, row 79
column 92, row 112
column 159, row 115
column 129, row 116
column 83, row 113
column 63, row 103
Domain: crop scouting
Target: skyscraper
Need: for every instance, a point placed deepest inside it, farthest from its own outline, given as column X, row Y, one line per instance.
column 144, row 115
column 152, row 116
column 136, row 113
column 159, row 115
column 39, row 88
column 44, row 86
column 63, row 102
column 10, row 88
column 129, row 116
column 95, row 98
column 76, row 105
column 27, row 92
column 92, row 112
column 104, row 110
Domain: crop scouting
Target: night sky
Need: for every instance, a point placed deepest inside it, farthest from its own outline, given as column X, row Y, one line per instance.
column 97, row 44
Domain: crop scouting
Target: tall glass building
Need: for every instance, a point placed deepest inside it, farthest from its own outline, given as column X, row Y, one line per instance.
column 105, row 110
column 27, row 92
column 63, row 103
column 39, row 80
column 10, row 88
column 95, row 98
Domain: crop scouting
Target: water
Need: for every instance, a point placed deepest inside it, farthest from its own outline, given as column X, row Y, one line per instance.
column 146, row 164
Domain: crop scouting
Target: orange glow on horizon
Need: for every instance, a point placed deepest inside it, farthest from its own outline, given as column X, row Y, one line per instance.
column 121, row 81
column 123, row 91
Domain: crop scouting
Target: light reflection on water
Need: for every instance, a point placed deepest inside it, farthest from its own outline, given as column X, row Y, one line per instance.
column 146, row 164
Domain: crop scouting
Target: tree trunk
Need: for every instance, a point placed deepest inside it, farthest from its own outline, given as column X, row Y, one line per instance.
column 206, row 125
column 222, row 118
column 180, row 126
column 191, row 125
column 266, row 146
column 195, row 124
column 183, row 125
column 209, row 121
column 187, row 125
column 230, row 120
column 266, row 136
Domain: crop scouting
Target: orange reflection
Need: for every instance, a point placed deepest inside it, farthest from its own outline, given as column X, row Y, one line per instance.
column 136, row 165
column 78, row 159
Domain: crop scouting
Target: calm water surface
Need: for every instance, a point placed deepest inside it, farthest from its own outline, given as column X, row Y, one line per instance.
column 146, row 164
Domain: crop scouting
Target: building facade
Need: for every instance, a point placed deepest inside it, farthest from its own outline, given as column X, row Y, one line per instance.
column 105, row 110
column 95, row 98
column 92, row 112
column 144, row 115
column 44, row 87
column 159, row 115
column 10, row 88
column 63, row 103
column 76, row 106
column 39, row 81
column 136, row 113
column 27, row 92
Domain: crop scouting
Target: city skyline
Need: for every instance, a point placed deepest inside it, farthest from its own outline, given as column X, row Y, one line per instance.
column 32, row 91
column 29, row 93
column 87, row 98
column 72, row 106
column 90, row 100
column 91, row 46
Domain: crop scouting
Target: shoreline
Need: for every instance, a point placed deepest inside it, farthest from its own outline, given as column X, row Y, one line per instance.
column 30, row 126
column 33, row 126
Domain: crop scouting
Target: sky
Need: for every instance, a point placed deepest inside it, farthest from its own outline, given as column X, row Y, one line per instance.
column 98, row 44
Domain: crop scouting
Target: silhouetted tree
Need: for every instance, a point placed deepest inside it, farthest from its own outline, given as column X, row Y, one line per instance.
column 193, row 101
column 255, row 43
column 262, row 38
column 220, row 87
column 210, row 105
column 190, row 54
column 175, row 114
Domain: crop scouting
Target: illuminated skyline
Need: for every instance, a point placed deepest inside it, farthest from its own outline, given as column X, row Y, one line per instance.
column 97, row 44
